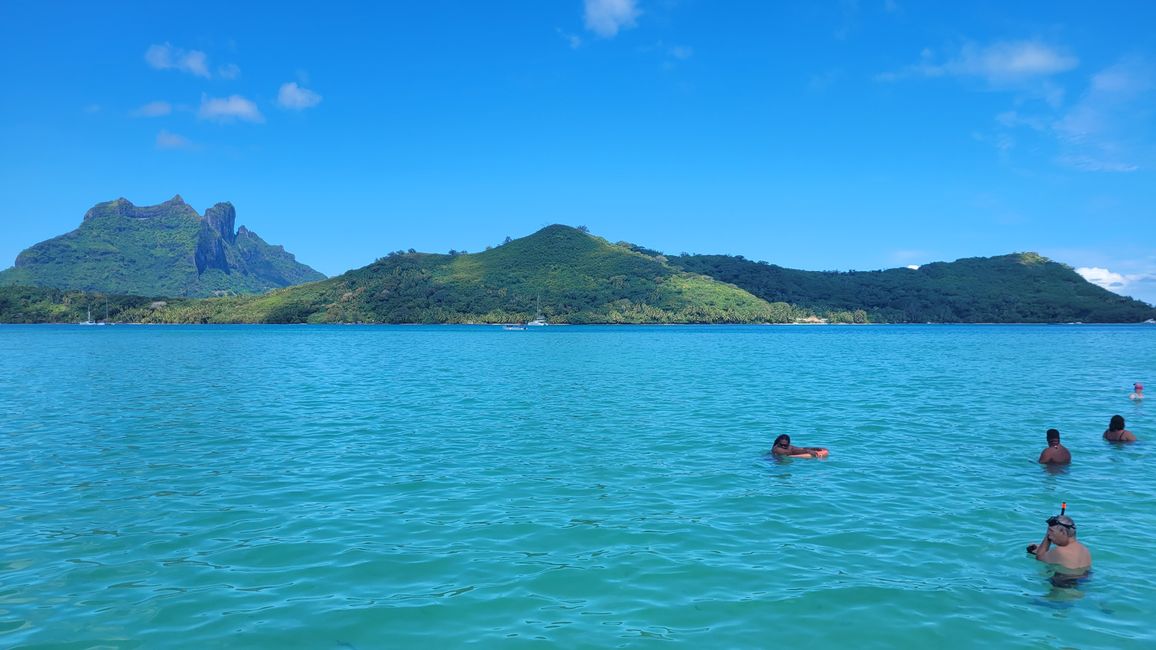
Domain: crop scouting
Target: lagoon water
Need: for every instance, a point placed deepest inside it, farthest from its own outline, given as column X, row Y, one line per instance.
column 397, row 487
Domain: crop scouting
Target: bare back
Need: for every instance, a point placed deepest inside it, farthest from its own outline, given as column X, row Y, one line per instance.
column 1072, row 557
column 1119, row 435
column 1058, row 455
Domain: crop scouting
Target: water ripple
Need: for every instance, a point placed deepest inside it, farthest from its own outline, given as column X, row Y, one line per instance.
column 380, row 487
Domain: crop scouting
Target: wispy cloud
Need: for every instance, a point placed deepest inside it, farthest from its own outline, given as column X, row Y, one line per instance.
column 229, row 71
column 680, row 52
column 1103, row 128
column 295, row 98
column 999, row 64
column 1107, row 129
column 167, row 57
column 607, row 17
column 153, row 109
column 229, row 109
column 573, row 40
column 170, row 141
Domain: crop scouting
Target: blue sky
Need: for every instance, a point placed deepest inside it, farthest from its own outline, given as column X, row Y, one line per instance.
column 815, row 135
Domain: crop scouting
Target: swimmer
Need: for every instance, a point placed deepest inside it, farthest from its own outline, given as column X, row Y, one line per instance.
column 1116, row 431
column 1137, row 391
column 1060, row 548
column 782, row 447
column 1055, row 454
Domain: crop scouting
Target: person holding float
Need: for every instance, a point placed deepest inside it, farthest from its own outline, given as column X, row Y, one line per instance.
column 783, row 448
column 1059, row 548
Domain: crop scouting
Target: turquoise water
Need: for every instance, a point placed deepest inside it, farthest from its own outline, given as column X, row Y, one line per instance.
column 395, row 487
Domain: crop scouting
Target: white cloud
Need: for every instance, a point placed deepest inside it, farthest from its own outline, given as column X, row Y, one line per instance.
column 1000, row 64
column 607, row 17
column 169, row 141
column 294, row 97
column 229, row 71
column 1138, row 285
column 153, row 109
column 1102, row 277
column 229, row 109
column 167, row 57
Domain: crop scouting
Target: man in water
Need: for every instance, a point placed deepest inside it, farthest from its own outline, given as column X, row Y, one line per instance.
column 1137, row 391
column 1060, row 549
column 783, row 447
column 1055, row 454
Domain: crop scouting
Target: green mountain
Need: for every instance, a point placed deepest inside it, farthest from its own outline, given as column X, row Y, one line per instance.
column 574, row 277
column 569, row 276
column 1017, row 288
column 159, row 250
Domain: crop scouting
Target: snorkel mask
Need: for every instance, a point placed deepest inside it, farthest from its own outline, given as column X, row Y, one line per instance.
column 1061, row 520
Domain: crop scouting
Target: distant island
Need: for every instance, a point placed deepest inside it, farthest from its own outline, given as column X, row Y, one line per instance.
column 159, row 250
column 567, row 275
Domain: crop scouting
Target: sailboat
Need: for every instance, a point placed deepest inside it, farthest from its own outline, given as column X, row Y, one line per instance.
column 538, row 321
column 89, row 321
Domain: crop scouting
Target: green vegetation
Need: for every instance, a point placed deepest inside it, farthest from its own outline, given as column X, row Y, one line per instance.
column 569, row 276
column 1018, row 288
column 41, row 305
column 577, row 278
column 167, row 249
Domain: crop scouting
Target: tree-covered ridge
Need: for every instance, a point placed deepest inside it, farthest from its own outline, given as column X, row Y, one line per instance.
column 571, row 276
column 166, row 249
column 1017, row 288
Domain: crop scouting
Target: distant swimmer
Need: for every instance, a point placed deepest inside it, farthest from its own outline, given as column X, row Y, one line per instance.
column 783, row 447
column 1137, row 391
column 1116, row 431
column 1060, row 548
column 1055, row 454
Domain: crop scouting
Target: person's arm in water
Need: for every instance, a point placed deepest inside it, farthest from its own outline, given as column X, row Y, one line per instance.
column 1047, row 456
column 806, row 451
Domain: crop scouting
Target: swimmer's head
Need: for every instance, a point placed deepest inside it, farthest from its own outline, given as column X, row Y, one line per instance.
column 783, row 441
column 1053, row 436
column 1138, row 386
column 1116, row 423
column 1062, row 527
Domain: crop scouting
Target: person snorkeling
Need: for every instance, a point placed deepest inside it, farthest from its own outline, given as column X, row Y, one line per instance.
column 1055, row 453
column 1060, row 549
column 1116, row 431
column 783, row 448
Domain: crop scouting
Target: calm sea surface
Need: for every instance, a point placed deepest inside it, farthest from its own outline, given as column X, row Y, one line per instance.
column 428, row 487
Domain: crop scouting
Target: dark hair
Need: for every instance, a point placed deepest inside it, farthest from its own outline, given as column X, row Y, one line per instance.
column 1053, row 434
column 1116, row 423
column 782, row 438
